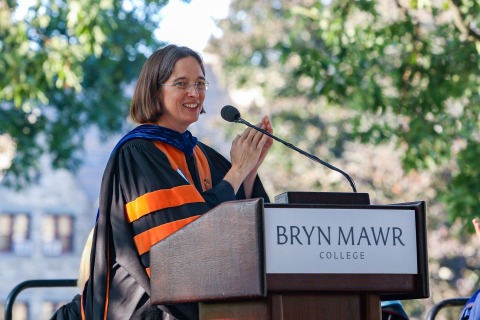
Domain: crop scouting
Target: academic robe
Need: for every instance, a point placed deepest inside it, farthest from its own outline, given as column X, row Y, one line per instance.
column 150, row 189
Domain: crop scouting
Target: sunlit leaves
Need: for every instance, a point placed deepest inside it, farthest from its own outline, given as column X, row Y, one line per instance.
column 463, row 195
column 410, row 71
column 65, row 66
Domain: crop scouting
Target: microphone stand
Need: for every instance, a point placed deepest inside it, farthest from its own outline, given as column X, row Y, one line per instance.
column 312, row 157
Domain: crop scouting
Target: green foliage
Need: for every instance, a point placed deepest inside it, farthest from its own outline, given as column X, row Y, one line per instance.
column 463, row 194
column 66, row 66
column 408, row 73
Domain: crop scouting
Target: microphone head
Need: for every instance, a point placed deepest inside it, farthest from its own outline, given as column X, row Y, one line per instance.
column 230, row 113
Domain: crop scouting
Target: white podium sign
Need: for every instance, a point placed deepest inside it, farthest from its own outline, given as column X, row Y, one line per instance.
column 330, row 240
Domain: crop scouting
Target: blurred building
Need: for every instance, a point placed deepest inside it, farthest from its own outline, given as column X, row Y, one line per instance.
column 42, row 232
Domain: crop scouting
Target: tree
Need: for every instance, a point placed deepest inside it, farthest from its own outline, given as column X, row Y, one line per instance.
column 66, row 66
column 401, row 77
column 406, row 72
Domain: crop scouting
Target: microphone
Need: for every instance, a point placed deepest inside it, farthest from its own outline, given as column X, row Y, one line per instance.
column 231, row 114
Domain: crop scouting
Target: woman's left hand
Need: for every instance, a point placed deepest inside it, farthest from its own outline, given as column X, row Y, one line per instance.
column 267, row 126
column 250, row 178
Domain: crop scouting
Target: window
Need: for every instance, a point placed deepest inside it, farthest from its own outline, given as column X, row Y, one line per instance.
column 15, row 233
column 19, row 311
column 57, row 234
column 49, row 308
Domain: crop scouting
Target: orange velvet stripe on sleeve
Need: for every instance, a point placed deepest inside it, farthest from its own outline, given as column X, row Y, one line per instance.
column 146, row 239
column 161, row 199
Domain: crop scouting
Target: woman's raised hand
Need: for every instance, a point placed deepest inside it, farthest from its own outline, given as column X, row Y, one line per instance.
column 267, row 126
column 248, row 151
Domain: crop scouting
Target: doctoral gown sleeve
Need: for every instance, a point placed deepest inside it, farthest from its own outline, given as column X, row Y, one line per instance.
column 141, row 198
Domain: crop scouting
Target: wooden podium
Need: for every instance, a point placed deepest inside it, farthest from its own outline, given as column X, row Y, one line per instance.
column 222, row 261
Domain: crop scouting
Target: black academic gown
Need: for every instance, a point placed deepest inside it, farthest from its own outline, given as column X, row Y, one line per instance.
column 118, row 280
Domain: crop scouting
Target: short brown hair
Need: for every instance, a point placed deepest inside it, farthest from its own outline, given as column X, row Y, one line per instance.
column 146, row 106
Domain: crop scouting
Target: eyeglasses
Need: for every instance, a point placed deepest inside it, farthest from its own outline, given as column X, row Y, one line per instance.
column 200, row 85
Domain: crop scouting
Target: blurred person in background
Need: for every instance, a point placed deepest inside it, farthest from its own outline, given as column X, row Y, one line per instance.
column 72, row 309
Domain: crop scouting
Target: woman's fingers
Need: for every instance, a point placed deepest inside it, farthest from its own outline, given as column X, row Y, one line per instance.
column 476, row 225
column 250, row 148
column 247, row 147
column 247, row 153
column 252, row 138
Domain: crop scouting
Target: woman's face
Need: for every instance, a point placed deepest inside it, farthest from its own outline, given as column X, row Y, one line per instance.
column 181, row 107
